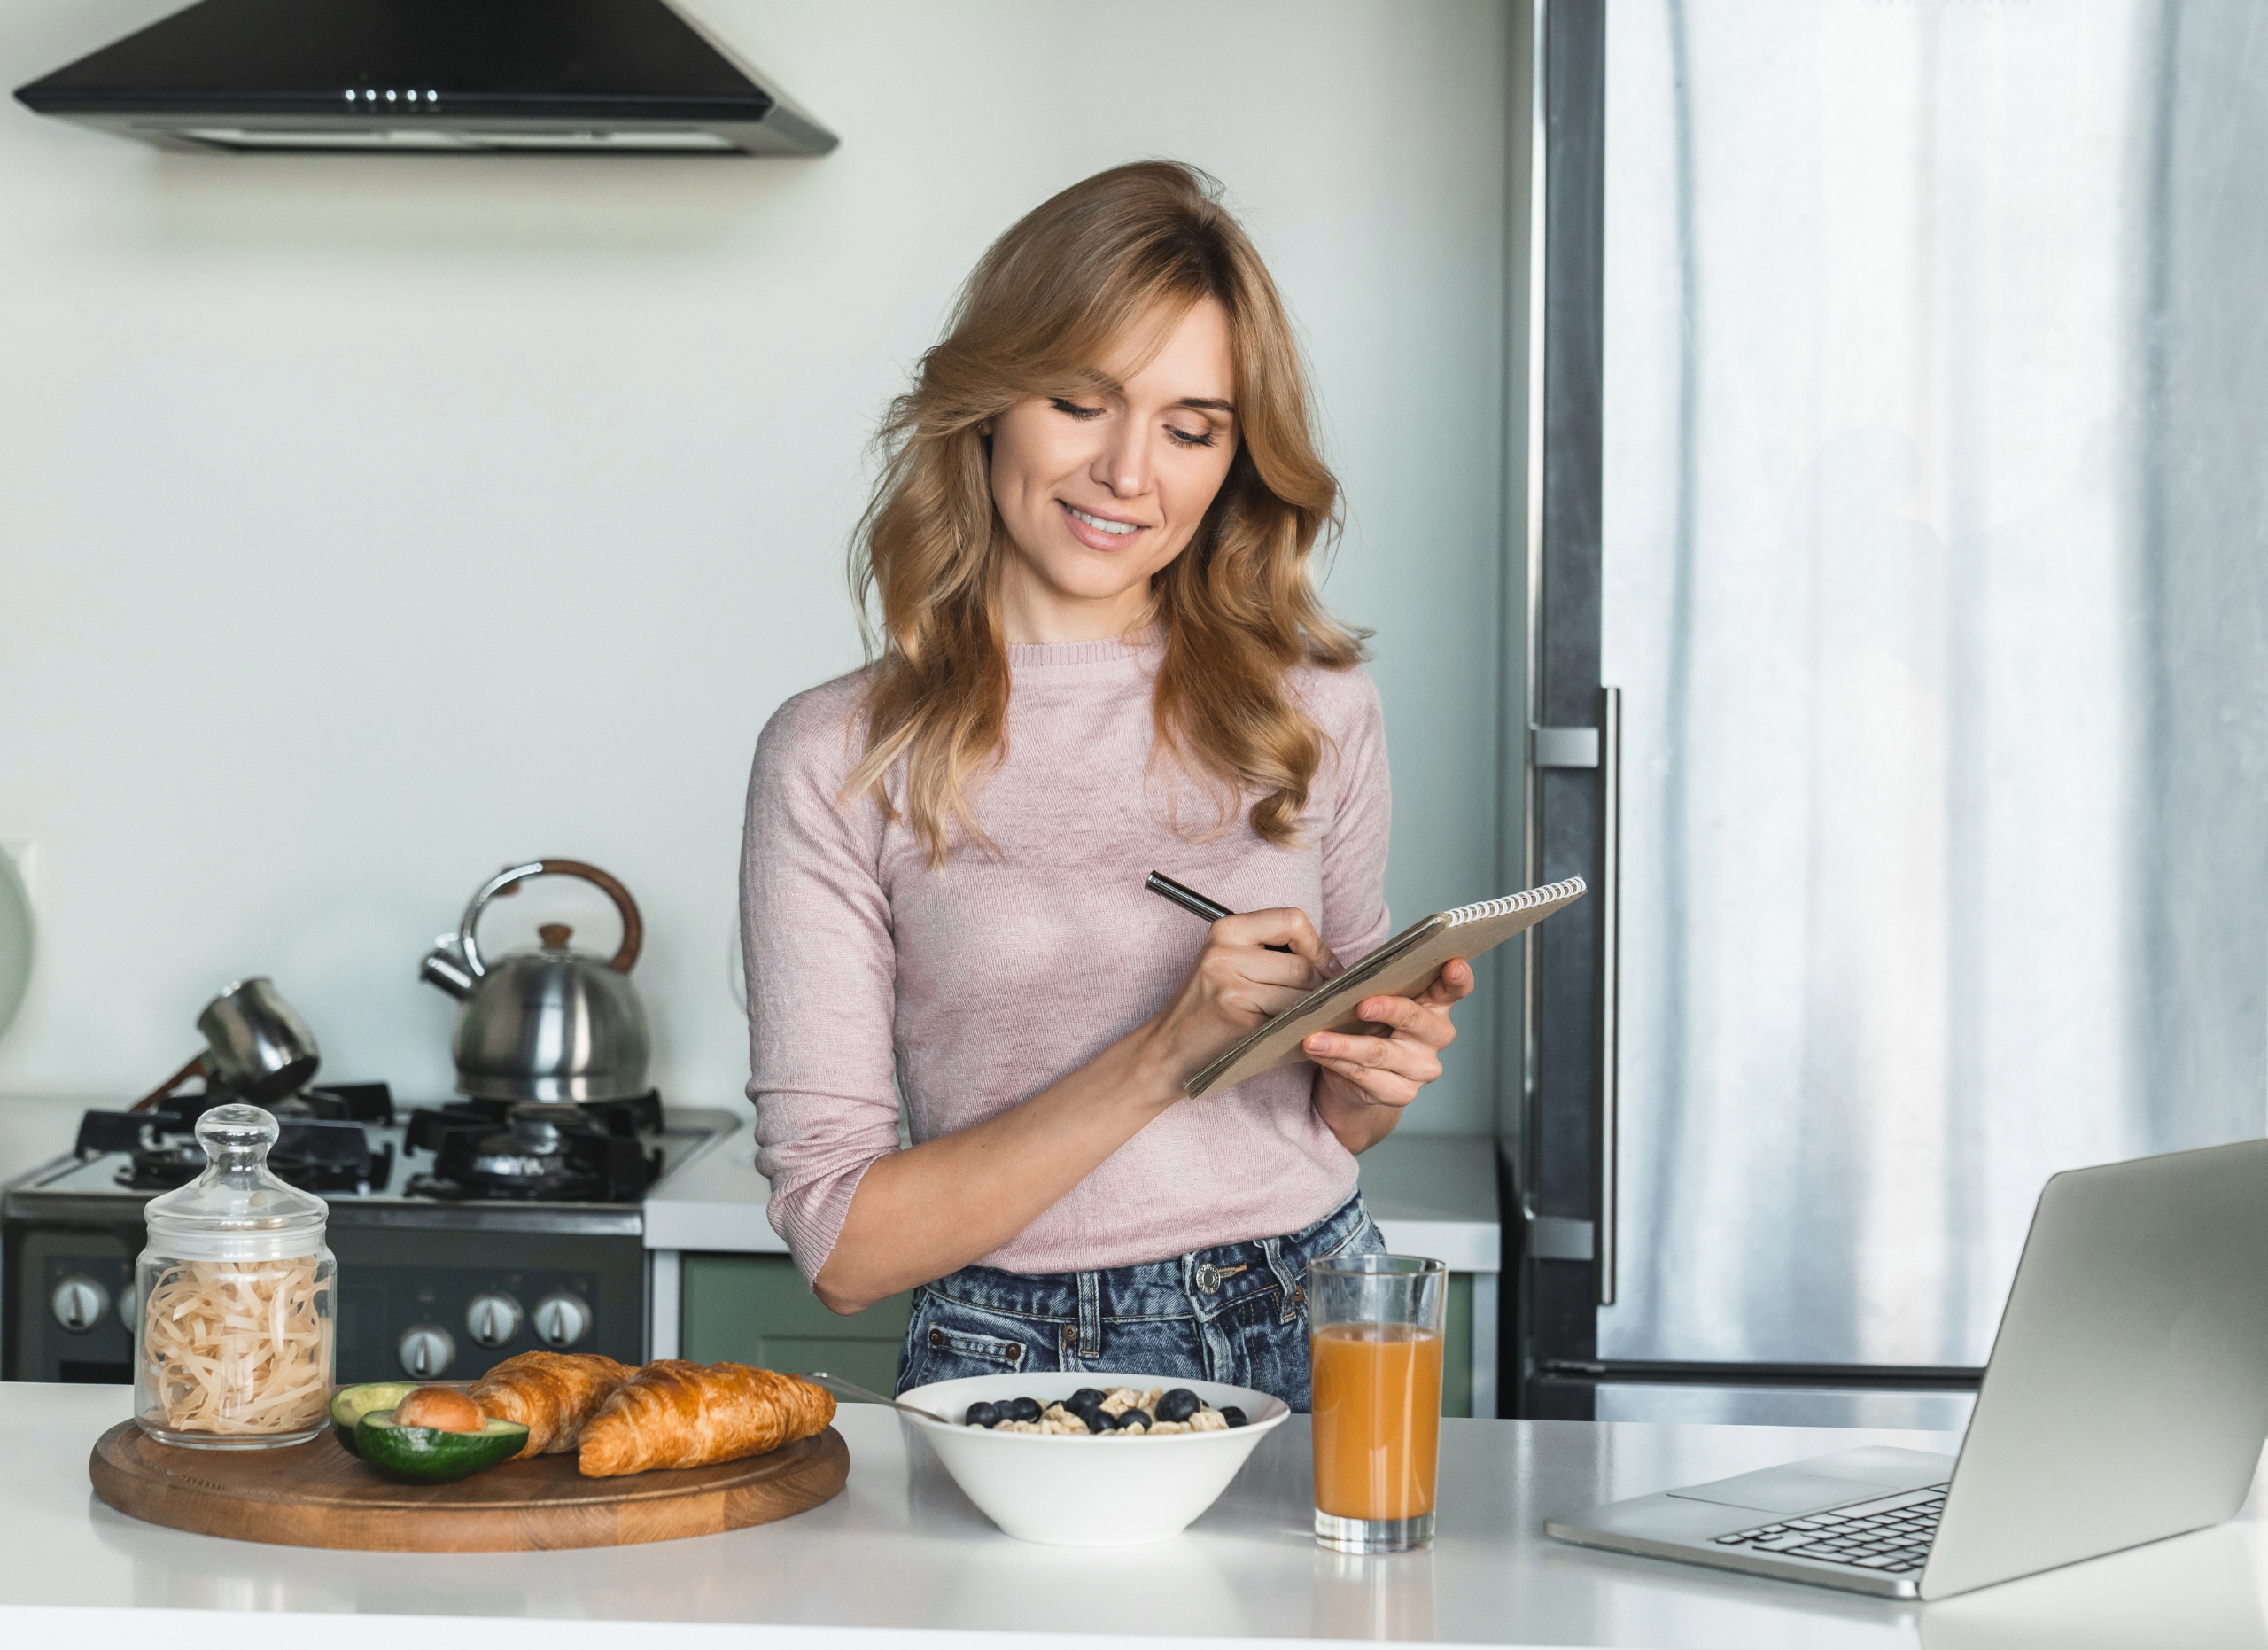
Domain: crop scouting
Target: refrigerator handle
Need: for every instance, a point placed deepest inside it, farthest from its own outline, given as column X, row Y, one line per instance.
column 1609, row 916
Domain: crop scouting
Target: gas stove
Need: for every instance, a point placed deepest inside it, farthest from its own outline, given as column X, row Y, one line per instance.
column 465, row 1231
column 348, row 1143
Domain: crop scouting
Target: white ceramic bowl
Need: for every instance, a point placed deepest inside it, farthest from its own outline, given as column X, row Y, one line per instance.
column 1090, row 1491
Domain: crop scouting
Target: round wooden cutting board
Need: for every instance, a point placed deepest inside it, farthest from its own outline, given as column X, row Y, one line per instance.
column 317, row 1495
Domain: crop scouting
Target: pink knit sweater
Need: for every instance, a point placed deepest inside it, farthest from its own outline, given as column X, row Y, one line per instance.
column 977, row 985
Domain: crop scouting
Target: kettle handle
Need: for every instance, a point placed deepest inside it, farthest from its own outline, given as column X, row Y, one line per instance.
column 507, row 881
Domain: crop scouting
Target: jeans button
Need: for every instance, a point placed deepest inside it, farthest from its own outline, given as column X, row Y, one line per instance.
column 1208, row 1277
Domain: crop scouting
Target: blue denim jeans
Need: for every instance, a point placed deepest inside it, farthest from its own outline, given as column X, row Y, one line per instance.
column 1237, row 1314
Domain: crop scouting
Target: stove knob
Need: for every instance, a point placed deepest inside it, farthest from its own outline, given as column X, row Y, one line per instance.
column 79, row 1304
column 427, row 1351
column 491, row 1320
column 561, row 1320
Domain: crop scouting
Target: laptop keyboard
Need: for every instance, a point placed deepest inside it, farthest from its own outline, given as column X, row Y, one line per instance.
column 1891, row 1536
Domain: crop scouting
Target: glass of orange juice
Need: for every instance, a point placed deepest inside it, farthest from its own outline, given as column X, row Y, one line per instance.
column 1374, row 1330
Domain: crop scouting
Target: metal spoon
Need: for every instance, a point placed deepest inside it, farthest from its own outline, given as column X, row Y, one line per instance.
column 852, row 1390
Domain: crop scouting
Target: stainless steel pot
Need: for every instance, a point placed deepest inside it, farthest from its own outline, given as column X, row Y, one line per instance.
column 256, row 1043
column 256, row 1046
column 553, row 1023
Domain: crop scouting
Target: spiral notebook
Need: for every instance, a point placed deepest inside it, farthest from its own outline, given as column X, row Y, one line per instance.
column 1402, row 966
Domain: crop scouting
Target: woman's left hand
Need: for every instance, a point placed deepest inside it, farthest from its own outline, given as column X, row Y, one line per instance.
column 1362, row 1071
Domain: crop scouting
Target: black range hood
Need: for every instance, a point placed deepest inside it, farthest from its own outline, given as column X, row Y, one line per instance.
column 548, row 76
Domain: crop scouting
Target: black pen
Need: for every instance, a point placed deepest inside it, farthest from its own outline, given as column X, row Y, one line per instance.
column 1190, row 900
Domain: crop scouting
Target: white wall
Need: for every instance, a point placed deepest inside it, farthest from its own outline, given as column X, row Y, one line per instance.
column 368, row 523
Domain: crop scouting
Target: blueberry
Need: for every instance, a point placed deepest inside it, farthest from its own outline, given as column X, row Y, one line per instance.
column 1234, row 1416
column 1097, row 1421
column 1021, row 1409
column 1134, row 1418
column 1085, row 1397
column 1178, row 1404
column 983, row 1415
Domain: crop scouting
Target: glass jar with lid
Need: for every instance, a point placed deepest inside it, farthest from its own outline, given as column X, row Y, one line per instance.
column 234, row 1299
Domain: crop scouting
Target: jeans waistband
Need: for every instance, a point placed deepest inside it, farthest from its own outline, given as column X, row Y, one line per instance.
column 1202, row 1283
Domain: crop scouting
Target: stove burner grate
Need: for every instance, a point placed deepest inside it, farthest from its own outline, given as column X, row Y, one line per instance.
column 563, row 1188
column 320, row 1146
column 638, row 1114
column 534, row 1151
column 169, row 1163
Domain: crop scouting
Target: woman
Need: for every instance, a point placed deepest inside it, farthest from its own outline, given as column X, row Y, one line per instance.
column 1101, row 654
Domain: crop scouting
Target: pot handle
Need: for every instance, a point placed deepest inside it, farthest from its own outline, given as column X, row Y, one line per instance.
column 507, row 881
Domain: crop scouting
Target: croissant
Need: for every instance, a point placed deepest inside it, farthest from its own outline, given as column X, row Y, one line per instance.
column 553, row 1395
column 674, row 1413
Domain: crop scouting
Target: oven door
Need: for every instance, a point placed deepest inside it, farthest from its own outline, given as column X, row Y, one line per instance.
column 67, row 1302
column 413, row 1301
column 421, row 1302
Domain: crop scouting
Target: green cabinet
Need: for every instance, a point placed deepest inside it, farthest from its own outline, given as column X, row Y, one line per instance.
column 756, row 1309
column 1457, row 1350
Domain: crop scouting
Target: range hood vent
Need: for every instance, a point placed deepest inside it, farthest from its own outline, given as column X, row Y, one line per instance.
column 580, row 76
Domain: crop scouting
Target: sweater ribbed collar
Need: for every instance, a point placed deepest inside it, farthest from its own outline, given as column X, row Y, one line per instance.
column 1135, row 645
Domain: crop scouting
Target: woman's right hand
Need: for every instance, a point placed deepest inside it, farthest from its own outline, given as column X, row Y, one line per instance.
column 1235, row 985
column 922, row 1212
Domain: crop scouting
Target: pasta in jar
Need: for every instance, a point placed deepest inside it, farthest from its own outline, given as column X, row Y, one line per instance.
column 234, row 1337
column 238, row 1348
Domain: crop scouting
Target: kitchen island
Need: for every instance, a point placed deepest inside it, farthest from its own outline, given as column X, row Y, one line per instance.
column 901, row 1550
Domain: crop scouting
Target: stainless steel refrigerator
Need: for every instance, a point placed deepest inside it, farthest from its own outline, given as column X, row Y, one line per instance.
column 1897, row 620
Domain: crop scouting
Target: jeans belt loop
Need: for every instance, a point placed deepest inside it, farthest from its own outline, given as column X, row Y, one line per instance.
column 1090, row 1314
column 1293, row 1295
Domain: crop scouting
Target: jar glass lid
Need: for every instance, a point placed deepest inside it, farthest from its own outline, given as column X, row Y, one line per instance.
column 237, row 1195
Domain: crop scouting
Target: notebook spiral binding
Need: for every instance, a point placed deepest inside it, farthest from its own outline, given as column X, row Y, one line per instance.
column 1510, row 903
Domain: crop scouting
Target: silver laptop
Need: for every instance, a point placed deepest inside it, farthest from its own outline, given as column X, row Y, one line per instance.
column 2126, row 1400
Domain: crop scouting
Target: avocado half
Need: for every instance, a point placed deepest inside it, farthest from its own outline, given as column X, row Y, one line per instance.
column 426, row 1455
column 349, row 1405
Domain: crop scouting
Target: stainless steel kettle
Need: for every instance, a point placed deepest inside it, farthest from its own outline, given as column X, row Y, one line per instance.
column 551, row 1023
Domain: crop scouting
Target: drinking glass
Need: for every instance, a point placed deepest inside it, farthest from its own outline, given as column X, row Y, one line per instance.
column 1375, row 1333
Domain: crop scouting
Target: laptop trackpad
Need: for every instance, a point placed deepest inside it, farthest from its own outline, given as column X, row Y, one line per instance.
column 1783, row 1490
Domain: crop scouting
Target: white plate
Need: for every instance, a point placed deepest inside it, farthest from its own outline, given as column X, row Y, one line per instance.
column 15, row 941
column 1090, row 1491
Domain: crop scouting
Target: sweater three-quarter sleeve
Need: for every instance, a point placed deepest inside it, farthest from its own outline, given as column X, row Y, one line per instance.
column 822, row 974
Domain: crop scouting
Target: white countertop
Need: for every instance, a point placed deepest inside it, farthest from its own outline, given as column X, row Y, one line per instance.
column 901, row 1549
column 1431, row 1195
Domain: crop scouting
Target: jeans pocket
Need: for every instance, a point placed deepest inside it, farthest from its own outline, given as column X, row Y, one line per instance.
column 1365, row 1239
column 984, row 1349
column 939, row 1348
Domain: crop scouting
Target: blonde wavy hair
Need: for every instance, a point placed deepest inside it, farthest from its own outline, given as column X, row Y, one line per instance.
column 1128, row 247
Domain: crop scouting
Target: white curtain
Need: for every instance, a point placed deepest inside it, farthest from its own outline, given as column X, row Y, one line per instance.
column 1935, row 555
